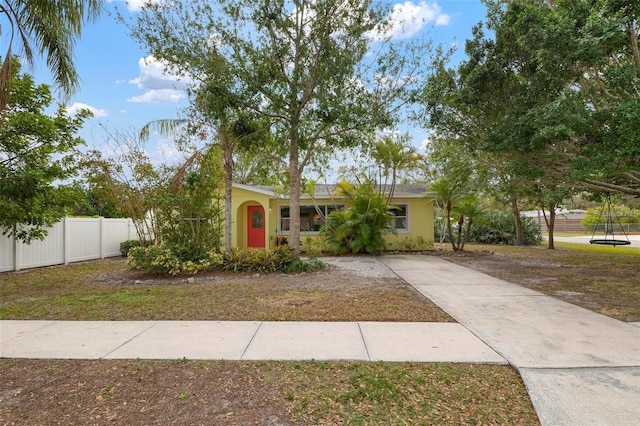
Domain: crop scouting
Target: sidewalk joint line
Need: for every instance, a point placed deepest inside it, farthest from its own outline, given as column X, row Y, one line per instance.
column 364, row 342
column 134, row 337
column 246, row 348
column 26, row 333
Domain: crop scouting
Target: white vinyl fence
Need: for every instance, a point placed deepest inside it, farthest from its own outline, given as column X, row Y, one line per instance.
column 71, row 240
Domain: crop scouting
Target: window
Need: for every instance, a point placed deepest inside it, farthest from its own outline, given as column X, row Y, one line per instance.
column 311, row 217
column 257, row 220
column 401, row 222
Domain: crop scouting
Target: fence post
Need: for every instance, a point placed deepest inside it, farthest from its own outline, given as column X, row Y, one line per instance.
column 129, row 226
column 17, row 254
column 66, row 230
column 101, row 237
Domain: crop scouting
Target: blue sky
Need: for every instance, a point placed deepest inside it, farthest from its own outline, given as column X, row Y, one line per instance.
column 125, row 90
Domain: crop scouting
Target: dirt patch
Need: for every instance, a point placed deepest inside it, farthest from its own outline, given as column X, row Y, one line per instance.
column 221, row 393
column 348, row 289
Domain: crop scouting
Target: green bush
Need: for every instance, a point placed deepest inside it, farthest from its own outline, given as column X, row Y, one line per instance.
column 621, row 215
column 279, row 259
column 162, row 260
column 360, row 228
column 125, row 246
column 500, row 228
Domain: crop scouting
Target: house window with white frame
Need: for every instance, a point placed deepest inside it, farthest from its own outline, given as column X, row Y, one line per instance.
column 401, row 212
column 312, row 216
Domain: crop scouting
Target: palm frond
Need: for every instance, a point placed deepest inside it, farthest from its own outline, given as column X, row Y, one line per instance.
column 165, row 127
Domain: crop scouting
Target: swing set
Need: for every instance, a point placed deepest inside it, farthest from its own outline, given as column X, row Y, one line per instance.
column 610, row 222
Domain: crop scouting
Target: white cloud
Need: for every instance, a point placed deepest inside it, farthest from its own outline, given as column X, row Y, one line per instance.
column 155, row 74
column 160, row 83
column 159, row 96
column 167, row 153
column 77, row 106
column 409, row 18
column 136, row 5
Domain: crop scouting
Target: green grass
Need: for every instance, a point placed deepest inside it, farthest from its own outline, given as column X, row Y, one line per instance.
column 399, row 394
column 74, row 293
column 230, row 393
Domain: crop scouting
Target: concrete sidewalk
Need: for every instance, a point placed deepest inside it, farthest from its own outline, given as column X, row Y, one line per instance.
column 579, row 367
column 244, row 340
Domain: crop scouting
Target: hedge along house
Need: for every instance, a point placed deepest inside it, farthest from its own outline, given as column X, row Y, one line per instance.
column 261, row 216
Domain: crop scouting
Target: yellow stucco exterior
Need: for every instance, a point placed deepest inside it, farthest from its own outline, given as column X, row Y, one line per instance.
column 417, row 222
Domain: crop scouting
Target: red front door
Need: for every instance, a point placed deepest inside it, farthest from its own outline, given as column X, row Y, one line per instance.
column 256, row 226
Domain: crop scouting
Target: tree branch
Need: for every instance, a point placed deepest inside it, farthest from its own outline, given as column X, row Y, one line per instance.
column 611, row 187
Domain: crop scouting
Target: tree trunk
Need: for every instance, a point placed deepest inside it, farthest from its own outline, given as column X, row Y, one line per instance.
column 294, row 194
column 227, row 152
column 458, row 245
column 518, row 222
column 550, row 221
column 466, row 235
column 449, row 227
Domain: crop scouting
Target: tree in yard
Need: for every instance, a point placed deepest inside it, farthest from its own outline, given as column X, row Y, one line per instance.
column 90, row 203
column 447, row 192
column 189, row 211
column 576, row 65
column 37, row 152
column 468, row 209
column 125, row 175
column 510, row 100
column 297, row 64
column 393, row 157
column 211, row 115
column 49, row 28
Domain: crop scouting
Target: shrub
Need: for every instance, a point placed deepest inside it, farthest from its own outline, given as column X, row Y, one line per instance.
column 125, row 246
column 500, row 228
column 279, row 259
column 621, row 215
column 162, row 260
column 359, row 228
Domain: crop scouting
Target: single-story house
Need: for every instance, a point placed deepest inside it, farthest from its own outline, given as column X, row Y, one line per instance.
column 260, row 216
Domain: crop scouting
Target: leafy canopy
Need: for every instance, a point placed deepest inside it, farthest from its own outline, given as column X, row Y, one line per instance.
column 37, row 154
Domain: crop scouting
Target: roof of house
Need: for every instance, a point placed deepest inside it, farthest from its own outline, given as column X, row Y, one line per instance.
column 323, row 191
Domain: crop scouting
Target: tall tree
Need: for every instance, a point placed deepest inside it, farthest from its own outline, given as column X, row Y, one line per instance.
column 124, row 174
column 50, row 28
column 224, row 136
column 509, row 99
column 37, row 152
column 298, row 64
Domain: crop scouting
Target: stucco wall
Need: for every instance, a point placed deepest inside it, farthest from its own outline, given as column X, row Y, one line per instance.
column 419, row 236
column 241, row 199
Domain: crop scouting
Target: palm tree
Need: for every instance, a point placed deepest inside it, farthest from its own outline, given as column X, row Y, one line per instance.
column 469, row 208
column 446, row 192
column 392, row 157
column 227, row 137
column 49, row 28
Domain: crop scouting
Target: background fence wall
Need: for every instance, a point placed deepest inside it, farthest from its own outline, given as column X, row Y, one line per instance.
column 71, row 240
column 574, row 225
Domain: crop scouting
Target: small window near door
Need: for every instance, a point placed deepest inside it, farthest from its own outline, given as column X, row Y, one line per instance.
column 257, row 219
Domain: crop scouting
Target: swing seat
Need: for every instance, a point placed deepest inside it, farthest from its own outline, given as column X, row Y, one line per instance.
column 610, row 242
